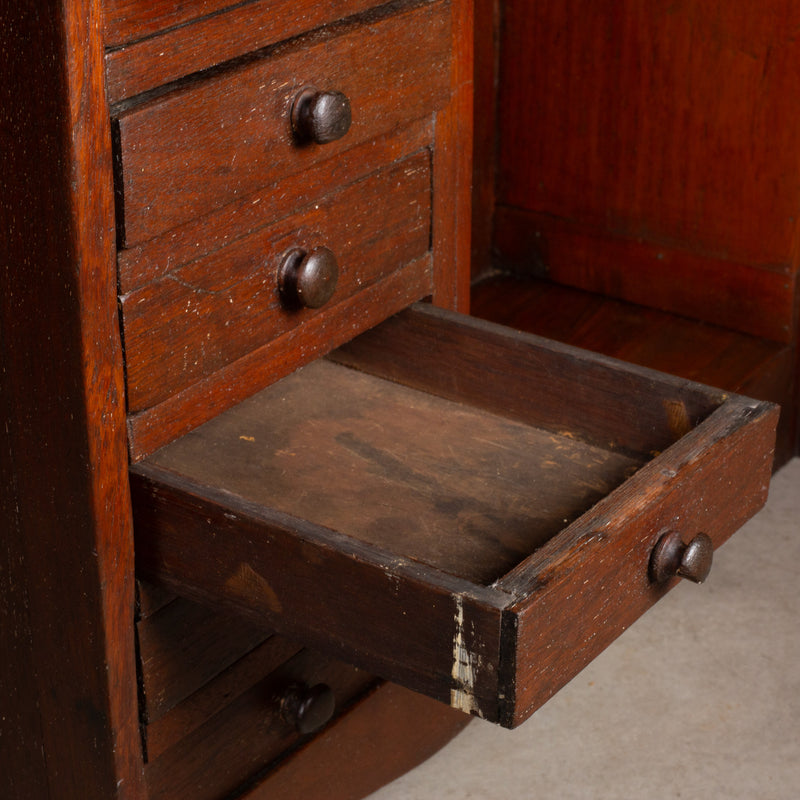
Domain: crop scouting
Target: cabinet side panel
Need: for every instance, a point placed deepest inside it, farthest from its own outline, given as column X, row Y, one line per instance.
column 69, row 537
column 662, row 125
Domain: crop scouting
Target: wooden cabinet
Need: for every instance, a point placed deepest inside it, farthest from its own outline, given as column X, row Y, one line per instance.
column 234, row 369
column 645, row 157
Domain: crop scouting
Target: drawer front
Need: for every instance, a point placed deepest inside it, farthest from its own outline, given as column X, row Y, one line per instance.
column 233, row 728
column 153, row 42
column 185, row 154
column 484, row 601
column 191, row 322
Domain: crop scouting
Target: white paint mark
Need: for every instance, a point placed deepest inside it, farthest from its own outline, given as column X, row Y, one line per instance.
column 464, row 664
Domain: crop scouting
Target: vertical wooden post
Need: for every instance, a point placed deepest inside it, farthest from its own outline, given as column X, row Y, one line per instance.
column 453, row 171
column 69, row 721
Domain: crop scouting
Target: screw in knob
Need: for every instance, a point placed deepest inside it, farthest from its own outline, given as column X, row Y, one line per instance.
column 307, row 708
column 672, row 557
column 320, row 117
column 307, row 279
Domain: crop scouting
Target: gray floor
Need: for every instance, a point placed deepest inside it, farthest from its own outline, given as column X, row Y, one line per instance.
column 699, row 699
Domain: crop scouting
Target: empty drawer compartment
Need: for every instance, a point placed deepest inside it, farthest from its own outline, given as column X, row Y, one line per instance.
column 469, row 511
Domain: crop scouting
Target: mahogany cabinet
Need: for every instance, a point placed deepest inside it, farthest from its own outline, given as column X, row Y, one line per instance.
column 256, row 462
column 635, row 167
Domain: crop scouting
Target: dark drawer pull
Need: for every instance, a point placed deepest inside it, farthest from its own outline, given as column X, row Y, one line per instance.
column 307, row 279
column 672, row 557
column 307, row 708
column 320, row 117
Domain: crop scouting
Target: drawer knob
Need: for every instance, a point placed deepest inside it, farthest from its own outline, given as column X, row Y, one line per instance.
column 307, row 708
column 307, row 279
column 672, row 557
column 320, row 117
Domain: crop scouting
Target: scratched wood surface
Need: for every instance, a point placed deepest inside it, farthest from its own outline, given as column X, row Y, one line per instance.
column 207, row 313
column 435, row 490
column 69, row 719
column 473, row 496
column 150, row 43
column 207, row 144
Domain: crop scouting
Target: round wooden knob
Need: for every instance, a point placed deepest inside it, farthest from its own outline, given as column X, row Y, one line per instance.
column 307, row 279
column 320, row 117
column 672, row 557
column 308, row 708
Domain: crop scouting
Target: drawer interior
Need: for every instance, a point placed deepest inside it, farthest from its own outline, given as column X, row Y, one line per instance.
column 431, row 497
column 455, row 487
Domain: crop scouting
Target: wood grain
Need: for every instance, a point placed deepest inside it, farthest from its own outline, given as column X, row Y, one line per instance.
column 210, row 312
column 487, row 132
column 724, row 292
column 180, row 413
column 659, row 129
column 580, row 592
column 733, row 361
column 453, row 171
column 422, row 478
column 70, row 721
column 219, row 522
column 212, row 142
column 532, row 380
column 156, row 43
column 235, row 745
column 141, row 264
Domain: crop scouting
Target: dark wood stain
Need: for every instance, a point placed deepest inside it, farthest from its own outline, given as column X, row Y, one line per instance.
column 342, row 449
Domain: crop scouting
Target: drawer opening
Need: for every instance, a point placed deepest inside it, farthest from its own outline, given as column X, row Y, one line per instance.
column 419, row 500
column 455, row 487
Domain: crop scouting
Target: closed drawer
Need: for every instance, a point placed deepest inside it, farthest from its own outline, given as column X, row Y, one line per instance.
column 205, row 314
column 235, row 727
column 469, row 511
column 150, row 43
column 191, row 151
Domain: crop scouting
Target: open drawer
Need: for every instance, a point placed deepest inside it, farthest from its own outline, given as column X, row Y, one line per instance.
column 469, row 511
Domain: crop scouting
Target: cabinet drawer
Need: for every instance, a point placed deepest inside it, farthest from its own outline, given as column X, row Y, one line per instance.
column 234, row 728
column 463, row 509
column 207, row 313
column 197, row 148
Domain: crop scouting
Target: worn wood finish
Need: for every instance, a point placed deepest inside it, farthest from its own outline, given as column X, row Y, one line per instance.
column 731, row 360
column 202, row 146
column 69, row 720
column 284, row 585
column 183, row 646
column 728, row 459
column 153, row 44
column 530, row 379
column 126, row 21
column 216, row 695
column 222, row 538
column 142, row 264
column 207, row 313
column 355, row 756
column 235, row 745
column 343, row 450
column 658, row 129
column 180, row 413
